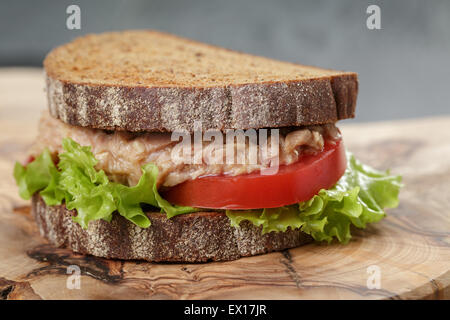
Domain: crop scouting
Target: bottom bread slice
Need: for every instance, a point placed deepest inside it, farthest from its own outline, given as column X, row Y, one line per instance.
column 193, row 237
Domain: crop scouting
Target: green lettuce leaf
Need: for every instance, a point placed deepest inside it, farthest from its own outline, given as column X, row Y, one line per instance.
column 358, row 198
column 41, row 174
column 88, row 190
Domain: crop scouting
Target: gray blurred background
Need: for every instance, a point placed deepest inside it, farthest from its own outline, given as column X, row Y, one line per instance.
column 404, row 68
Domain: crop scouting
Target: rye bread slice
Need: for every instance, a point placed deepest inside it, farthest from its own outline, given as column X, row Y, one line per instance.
column 195, row 237
column 152, row 81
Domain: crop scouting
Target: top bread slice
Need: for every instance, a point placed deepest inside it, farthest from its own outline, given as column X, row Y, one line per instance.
column 152, row 81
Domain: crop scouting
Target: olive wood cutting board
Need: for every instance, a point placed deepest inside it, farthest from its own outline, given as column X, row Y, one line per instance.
column 405, row 256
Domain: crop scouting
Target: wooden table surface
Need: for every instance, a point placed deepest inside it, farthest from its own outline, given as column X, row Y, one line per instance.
column 410, row 248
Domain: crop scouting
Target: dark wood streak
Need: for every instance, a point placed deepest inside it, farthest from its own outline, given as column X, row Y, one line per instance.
column 437, row 293
column 6, row 286
column 59, row 259
column 10, row 289
column 287, row 262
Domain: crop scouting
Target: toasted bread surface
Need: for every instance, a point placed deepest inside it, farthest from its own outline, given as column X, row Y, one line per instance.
column 152, row 81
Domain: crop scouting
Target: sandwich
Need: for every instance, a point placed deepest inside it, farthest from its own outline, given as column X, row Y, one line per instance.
column 160, row 148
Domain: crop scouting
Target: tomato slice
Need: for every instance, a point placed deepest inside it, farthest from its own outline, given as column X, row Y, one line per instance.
column 293, row 183
column 29, row 160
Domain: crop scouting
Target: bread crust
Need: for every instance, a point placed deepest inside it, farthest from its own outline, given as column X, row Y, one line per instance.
column 142, row 109
column 323, row 96
column 195, row 237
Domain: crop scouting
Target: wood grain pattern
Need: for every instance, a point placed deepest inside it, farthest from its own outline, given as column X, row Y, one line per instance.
column 411, row 246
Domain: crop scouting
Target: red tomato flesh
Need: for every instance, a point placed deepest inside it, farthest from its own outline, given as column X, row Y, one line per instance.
column 292, row 183
column 29, row 160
